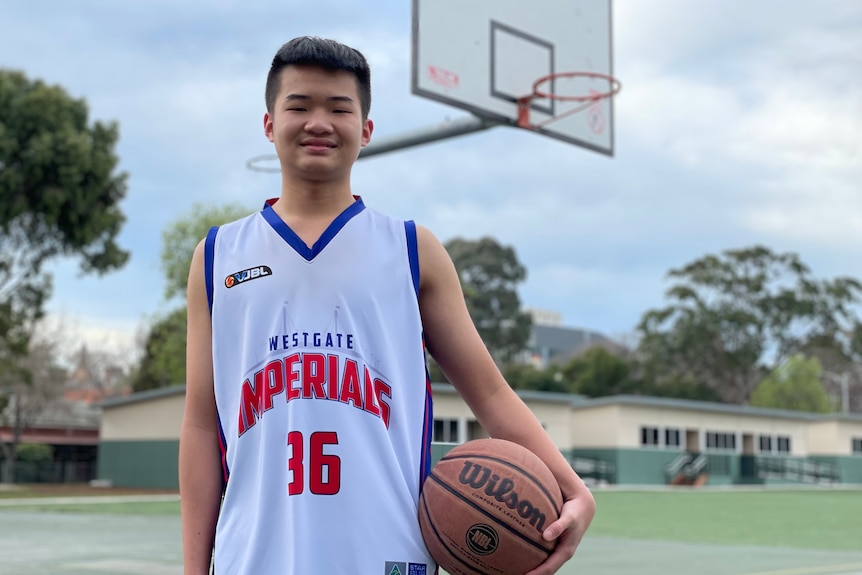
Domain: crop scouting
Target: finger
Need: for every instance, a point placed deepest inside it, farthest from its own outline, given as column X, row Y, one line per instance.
column 555, row 529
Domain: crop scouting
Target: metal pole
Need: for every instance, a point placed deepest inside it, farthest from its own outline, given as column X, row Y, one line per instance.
column 843, row 379
column 447, row 129
column 845, row 392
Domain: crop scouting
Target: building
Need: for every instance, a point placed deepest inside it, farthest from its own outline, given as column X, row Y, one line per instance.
column 616, row 440
column 72, row 432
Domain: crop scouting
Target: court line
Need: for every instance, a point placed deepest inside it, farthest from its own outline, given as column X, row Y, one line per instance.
column 822, row 569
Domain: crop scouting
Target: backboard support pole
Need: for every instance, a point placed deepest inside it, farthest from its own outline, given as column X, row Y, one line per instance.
column 442, row 131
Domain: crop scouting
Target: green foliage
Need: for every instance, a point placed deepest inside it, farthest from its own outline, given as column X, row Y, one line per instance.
column 526, row 376
column 794, row 385
column 180, row 238
column 678, row 387
column 59, row 196
column 34, row 452
column 490, row 274
column 597, row 373
column 164, row 360
column 725, row 312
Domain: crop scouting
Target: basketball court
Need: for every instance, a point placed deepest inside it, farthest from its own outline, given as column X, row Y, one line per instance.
column 544, row 67
column 50, row 543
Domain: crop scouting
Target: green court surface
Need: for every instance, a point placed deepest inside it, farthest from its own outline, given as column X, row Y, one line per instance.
column 805, row 532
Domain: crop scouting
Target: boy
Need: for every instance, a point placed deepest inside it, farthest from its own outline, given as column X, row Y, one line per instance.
column 307, row 398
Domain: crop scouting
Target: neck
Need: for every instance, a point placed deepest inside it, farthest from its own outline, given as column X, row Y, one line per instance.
column 309, row 199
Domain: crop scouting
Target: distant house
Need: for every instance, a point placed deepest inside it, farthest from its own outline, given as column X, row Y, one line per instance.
column 89, row 385
column 72, row 431
column 557, row 345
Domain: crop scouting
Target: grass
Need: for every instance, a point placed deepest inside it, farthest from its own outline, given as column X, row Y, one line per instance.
column 806, row 519
column 39, row 492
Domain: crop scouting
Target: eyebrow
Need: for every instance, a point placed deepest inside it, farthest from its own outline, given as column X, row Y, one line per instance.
column 292, row 97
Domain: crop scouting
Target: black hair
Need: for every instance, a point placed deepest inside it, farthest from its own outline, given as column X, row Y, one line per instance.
column 323, row 53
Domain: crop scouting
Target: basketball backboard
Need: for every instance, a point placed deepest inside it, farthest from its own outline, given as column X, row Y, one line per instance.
column 482, row 55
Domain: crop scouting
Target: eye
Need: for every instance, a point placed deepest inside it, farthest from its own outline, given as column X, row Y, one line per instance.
column 341, row 111
column 296, row 109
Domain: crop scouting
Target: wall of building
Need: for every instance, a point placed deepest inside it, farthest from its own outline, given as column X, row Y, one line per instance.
column 634, row 417
column 137, row 463
column 596, row 427
column 156, row 419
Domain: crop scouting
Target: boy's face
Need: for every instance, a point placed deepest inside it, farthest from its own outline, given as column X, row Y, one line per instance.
column 316, row 123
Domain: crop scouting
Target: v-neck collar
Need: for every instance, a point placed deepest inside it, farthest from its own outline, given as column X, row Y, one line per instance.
column 294, row 241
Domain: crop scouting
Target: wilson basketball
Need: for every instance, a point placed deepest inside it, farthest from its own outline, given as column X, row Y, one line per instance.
column 484, row 506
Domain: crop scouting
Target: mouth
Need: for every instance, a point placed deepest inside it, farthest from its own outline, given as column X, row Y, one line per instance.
column 318, row 145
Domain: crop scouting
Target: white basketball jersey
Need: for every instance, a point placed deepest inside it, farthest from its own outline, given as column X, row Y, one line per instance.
column 323, row 397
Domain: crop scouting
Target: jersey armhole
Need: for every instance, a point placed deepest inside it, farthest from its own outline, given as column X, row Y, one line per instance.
column 413, row 253
column 209, row 256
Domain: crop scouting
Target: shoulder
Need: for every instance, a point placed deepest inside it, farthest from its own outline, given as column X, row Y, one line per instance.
column 434, row 260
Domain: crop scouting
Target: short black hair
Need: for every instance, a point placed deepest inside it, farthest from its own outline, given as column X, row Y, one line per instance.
column 323, row 53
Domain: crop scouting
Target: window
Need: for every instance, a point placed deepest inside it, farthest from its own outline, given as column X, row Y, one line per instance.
column 446, row 430
column 765, row 443
column 783, row 444
column 671, row 437
column 720, row 440
column 857, row 445
column 649, row 436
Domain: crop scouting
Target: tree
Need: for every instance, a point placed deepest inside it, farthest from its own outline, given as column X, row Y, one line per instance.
column 38, row 381
column 525, row 376
column 490, row 274
column 597, row 372
column 164, row 359
column 794, row 385
column 59, row 196
column 180, row 237
column 733, row 315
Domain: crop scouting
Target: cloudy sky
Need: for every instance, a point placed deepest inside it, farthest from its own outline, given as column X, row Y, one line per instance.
column 739, row 122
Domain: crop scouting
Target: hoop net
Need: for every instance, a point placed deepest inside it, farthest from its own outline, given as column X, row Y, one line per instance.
column 586, row 100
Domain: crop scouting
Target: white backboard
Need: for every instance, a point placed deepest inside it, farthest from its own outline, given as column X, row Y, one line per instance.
column 481, row 55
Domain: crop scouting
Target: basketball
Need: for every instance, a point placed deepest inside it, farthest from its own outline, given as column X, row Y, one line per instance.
column 484, row 506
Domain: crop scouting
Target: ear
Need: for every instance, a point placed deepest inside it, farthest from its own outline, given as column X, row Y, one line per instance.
column 267, row 127
column 367, row 128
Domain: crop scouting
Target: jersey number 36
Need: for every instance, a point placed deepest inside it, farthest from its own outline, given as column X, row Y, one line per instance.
column 324, row 470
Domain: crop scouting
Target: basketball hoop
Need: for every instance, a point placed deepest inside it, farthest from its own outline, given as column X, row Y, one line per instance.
column 586, row 100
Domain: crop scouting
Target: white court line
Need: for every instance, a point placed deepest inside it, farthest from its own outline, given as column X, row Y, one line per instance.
column 34, row 501
column 843, row 569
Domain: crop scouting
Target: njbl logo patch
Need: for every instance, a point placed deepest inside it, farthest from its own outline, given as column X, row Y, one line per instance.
column 247, row 275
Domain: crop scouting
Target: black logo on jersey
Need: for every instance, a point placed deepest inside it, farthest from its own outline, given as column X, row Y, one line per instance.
column 247, row 275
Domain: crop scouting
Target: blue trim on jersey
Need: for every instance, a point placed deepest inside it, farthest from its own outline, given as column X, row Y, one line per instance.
column 413, row 253
column 209, row 258
column 223, row 449
column 293, row 240
column 427, row 430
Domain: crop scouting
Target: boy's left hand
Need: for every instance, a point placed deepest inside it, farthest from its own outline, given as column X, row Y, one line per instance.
column 568, row 530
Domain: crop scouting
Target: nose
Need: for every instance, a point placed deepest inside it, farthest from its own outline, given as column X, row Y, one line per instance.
column 318, row 122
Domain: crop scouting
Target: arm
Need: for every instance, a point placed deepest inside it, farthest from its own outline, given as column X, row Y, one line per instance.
column 453, row 341
column 199, row 462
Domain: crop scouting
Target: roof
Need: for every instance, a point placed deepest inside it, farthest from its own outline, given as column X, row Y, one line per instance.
column 148, row 395
column 525, row 394
column 558, row 343
column 577, row 402
column 712, row 407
